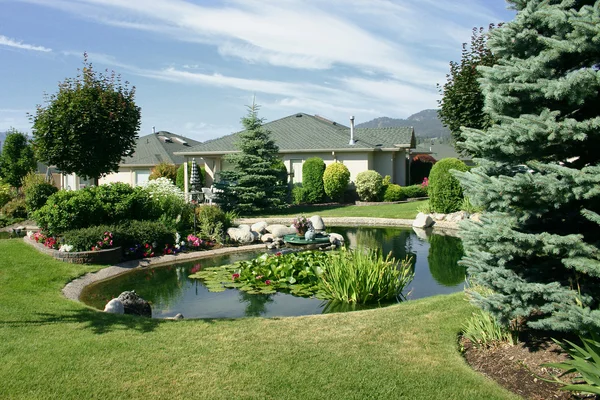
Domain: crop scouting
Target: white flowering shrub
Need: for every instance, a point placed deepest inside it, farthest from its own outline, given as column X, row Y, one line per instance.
column 162, row 188
column 169, row 202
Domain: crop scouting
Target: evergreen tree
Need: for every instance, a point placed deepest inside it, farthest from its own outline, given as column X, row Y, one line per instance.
column 16, row 159
column 254, row 183
column 88, row 126
column 462, row 98
column 538, row 246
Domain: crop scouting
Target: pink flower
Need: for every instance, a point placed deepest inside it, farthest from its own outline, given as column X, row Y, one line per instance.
column 235, row 276
column 259, row 276
column 278, row 253
column 267, row 282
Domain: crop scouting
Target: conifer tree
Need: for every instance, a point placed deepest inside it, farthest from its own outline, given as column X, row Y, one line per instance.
column 538, row 246
column 254, row 183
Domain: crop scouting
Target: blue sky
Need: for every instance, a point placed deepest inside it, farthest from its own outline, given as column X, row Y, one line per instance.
column 197, row 63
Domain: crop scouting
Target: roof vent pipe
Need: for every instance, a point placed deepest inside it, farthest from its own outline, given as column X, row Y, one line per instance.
column 153, row 129
column 352, row 142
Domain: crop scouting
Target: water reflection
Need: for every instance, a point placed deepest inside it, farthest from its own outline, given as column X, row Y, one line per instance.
column 444, row 254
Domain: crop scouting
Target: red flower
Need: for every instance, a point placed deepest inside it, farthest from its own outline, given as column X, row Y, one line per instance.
column 235, row 276
column 267, row 282
column 278, row 253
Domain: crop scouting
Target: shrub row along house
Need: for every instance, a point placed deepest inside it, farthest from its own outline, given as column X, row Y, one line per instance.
column 302, row 136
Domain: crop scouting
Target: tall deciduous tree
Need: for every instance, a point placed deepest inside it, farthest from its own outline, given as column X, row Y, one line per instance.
column 17, row 158
column 462, row 98
column 89, row 125
column 538, row 245
column 254, row 183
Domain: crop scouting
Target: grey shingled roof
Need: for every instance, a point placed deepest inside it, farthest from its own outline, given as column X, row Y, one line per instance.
column 152, row 149
column 303, row 132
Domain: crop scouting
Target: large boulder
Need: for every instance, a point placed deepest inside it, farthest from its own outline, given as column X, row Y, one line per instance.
column 115, row 306
column 280, row 230
column 422, row 221
column 336, row 238
column 317, row 223
column 259, row 227
column 245, row 228
column 134, row 304
column 241, row 235
column 267, row 237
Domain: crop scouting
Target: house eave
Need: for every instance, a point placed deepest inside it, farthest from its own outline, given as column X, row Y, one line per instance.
column 296, row 151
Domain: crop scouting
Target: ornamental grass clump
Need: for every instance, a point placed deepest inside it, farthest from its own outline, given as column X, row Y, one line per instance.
column 364, row 276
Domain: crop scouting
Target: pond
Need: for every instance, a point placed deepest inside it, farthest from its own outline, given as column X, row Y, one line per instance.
column 170, row 291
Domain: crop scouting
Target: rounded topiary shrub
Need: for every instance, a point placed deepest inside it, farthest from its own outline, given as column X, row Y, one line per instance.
column 335, row 180
column 368, row 185
column 299, row 194
column 393, row 192
column 312, row 179
column 445, row 192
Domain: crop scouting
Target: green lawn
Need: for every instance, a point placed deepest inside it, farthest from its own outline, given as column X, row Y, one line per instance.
column 400, row 211
column 51, row 347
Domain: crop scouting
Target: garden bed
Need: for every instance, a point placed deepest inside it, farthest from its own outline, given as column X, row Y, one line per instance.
column 101, row 257
column 381, row 203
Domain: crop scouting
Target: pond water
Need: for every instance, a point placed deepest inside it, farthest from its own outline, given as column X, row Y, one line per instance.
column 170, row 291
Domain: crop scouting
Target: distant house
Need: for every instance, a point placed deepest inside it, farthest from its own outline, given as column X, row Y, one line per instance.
column 149, row 151
column 302, row 136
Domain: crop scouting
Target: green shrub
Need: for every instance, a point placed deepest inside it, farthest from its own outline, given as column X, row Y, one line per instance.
column 180, row 179
column 368, row 185
column 36, row 191
column 212, row 223
column 364, row 276
column 5, row 193
column 15, row 208
column 164, row 170
column 444, row 254
column 445, row 192
column 96, row 205
column 413, row 191
column 299, row 194
column 168, row 203
column 335, row 180
column 154, row 233
column 393, row 192
column 484, row 331
column 281, row 173
column 84, row 239
column 312, row 180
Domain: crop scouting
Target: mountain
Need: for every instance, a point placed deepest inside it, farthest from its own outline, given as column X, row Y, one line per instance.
column 426, row 124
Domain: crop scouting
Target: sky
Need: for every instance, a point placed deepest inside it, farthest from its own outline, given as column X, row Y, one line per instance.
column 197, row 64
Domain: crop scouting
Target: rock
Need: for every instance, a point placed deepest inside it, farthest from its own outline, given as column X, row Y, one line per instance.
column 317, row 223
column 422, row 221
column 267, row 237
column 457, row 216
column 135, row 305
column 280, row 230
column 240, row 235
column 115, row 306
column 438, row 216
column 259, row 227
column 336, row 238
column 246, row 228
column 177, row 317
column 475, row 217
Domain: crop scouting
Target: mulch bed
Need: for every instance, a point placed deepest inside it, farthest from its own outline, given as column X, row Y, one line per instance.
column 518, row 368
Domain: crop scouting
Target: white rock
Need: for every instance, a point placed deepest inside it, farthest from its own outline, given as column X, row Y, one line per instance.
column 475, row 217
column 336, row 238
column 246, row 228
column 259, row 227
column 422, row 221
column 421, row 233
column 267, row 237
column 115, row 306
column 241, row 235
column 280, row 230
column 317, row 223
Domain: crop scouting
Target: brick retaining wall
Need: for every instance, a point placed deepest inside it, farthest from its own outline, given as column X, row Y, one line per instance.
column 107, row 256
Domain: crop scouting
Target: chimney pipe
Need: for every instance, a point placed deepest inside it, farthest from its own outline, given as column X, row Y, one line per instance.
column 153, row 129
column 352, row 142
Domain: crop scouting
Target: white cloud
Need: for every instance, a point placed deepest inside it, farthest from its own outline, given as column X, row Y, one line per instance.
column 6, row 41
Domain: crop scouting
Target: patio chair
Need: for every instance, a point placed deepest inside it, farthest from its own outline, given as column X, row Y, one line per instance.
column 209, row 196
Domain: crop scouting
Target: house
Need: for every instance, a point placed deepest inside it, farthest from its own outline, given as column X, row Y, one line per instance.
column 302, row 136
column 149, row 151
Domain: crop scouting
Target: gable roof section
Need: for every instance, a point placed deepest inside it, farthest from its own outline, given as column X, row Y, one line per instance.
column 159, row 147
column 303, row 133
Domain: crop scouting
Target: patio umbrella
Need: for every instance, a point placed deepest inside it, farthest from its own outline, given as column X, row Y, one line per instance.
column 195, row 184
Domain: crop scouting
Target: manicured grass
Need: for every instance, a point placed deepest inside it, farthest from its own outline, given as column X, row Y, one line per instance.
column 51, row 347
column 401, row 211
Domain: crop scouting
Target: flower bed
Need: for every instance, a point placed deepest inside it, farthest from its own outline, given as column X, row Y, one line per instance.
column 105, row 256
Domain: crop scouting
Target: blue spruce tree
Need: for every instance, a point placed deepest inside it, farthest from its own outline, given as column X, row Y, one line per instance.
column 538, row 245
